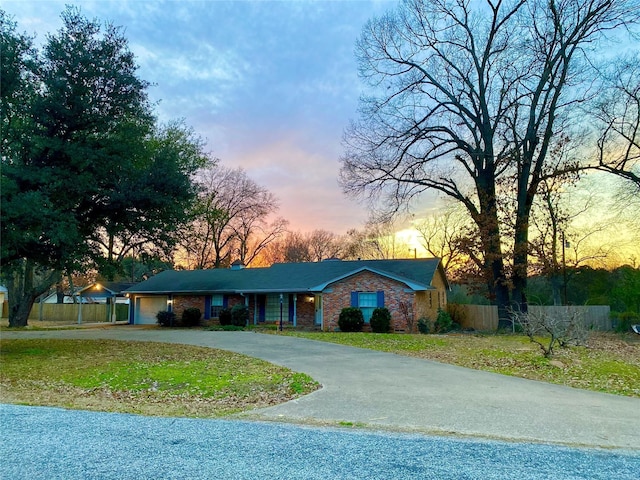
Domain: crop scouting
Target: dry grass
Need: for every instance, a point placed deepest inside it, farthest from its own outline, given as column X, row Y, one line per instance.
column 142, row 377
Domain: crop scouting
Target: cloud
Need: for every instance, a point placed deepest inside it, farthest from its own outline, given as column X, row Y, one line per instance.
column 270, row 85
column 305, row 181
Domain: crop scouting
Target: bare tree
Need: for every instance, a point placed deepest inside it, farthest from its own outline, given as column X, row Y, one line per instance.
column 229, row 218
column 295, row 248
column 323, row 245
column 377, row 240
column 618, row 114
column 560, row 242
column 313, row 246
column 254, row 234
column 444, row 235
column 466, row 97
column 559, row 328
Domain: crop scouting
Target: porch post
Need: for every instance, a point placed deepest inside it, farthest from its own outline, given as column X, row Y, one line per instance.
column 113, row 307
column 295, row 310
column 255, row 308
column 80, row 308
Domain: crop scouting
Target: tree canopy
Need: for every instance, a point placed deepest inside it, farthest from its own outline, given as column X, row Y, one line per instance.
column 85, row 167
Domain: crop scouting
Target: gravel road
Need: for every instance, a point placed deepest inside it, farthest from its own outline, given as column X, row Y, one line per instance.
column 51, row 443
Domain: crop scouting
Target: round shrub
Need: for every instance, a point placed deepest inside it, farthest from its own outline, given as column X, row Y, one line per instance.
column 424, row 325
column 225, row 317
column 191, row 317
column 444, row 322
column 381, row 320
column 239, row 315
column 350, row 320
column 166, row 319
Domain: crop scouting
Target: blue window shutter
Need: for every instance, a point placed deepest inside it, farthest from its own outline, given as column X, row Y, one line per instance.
column 380, row 298
column 207, row 307
column 225, row 301
column 291, row 308
column 354, row 299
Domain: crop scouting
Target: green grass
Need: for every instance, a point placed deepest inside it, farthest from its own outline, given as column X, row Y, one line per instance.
column 142, row 377
column 610, row 363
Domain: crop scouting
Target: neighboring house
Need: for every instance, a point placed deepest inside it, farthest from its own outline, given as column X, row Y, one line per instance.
column 99, row 292
column 4, row 302
column 107, row 292
column 67, row 297
column 299, row 294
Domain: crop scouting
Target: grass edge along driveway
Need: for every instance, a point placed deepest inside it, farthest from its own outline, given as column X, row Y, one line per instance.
column 147, row 378
column 610, row 363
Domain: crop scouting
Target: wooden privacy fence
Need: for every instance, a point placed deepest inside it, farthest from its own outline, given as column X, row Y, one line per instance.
column 485, row 317
column 68, row 312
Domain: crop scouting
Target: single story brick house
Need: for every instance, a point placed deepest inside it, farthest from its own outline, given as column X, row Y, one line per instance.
column 299, row 294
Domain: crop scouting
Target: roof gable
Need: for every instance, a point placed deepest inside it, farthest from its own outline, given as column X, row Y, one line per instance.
column 409, row 283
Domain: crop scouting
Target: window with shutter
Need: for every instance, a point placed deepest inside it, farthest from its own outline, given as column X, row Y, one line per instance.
column 217, row 304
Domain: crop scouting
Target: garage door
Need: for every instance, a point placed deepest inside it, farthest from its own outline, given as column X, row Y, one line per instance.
column 148, row 307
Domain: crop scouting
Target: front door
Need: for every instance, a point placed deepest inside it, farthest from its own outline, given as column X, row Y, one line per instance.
column 262, row 308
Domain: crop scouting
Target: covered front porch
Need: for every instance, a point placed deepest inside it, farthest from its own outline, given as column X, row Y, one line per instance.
column 295, row 309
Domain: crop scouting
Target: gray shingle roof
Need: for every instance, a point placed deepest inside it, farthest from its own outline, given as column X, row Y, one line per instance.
column 287, row 277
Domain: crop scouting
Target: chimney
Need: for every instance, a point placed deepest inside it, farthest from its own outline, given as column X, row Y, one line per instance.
column 237, row 265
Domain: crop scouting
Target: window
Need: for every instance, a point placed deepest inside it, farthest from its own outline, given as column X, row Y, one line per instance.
column 367, row 302
column 217, row 304
column 272, row 310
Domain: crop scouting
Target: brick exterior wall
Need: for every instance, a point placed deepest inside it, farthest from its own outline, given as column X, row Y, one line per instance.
column 405, row 306
column 182, row 302
column 338, row 296
column 305, row 312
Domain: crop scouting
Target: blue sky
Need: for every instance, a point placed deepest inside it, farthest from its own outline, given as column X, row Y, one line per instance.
column 270, row 85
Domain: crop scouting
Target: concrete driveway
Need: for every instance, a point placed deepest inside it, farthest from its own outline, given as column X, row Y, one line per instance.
column 383, row 390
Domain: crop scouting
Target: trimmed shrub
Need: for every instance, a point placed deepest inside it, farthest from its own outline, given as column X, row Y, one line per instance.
column 240, row 315
column 191, row 317
column 166, row 319
column 443, row 323
column 225, row 317
column 424, row 325
column 381, row 320
column 351, row 320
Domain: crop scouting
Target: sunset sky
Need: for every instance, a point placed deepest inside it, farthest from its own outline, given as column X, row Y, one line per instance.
column 269, row 85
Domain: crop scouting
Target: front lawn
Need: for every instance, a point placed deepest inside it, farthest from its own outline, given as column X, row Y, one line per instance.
column 610, row 363
column 142, row 377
